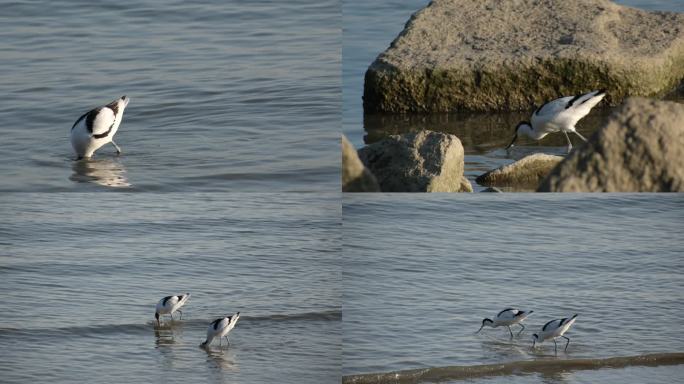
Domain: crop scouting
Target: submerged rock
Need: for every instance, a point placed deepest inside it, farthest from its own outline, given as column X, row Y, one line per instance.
column 641, row 149
column 527, row 172
column 514, row 54
column 417, row 162
column 355, row 176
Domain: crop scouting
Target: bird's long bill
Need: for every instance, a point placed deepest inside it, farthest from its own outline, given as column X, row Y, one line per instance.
column 478, row 331
column 513, row 141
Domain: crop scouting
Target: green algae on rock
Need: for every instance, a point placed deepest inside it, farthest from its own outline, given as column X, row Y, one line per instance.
column 514, row 54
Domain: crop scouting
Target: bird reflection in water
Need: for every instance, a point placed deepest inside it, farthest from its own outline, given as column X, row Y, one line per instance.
column 221, row 358
column 166, row 334
column 104, row 172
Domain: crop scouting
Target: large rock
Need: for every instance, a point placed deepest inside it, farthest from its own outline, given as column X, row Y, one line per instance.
column 513, row 54
column 417, row 162
column 641, row 149
column 355, row 176
column 525, row 173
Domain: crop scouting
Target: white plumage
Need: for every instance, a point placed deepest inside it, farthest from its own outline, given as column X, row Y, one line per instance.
column 97, row 127
column 170, row 304
column 220, row 328
column 558, row 115
column 507, row 317
column 553, row 330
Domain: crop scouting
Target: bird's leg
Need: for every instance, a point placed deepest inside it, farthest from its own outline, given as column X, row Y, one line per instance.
column 509, row 330
column 118, row 150
column 219, row 342
column 181, row 314
column 227, row 340
column 569, row 142
column 555, row 346
column 566, row 344
column 521, row 329
column 581, row 137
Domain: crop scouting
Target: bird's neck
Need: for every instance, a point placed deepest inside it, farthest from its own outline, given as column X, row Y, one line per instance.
column 531, row 132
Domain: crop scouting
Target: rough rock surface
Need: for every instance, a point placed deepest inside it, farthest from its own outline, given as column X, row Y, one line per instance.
column 514, row 54
column 417, row 162
column 641, row 149
column 355, row 176
column 526, row 172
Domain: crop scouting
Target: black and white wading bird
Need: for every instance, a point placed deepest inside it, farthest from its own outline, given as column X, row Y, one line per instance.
column 553, row 330
column 220, row 328
column 169, row 305
column 507, row 317
column 558, row 115
column 97, row 128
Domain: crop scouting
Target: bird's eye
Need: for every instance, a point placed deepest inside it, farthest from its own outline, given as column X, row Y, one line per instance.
column 123, row 98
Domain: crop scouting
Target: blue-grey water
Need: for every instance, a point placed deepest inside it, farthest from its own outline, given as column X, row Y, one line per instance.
column 420, row 273
column 81, row 274
column 225, row 95
column 369, row 28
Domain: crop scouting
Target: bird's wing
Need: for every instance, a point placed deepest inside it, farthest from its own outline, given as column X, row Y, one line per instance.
column 579, row 107
column 552, row 107
column 83, row 116
column 550, row 325
column 170, row 301
column 100, row 121
column 507, row 313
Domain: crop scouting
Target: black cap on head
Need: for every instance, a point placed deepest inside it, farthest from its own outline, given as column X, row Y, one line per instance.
column 486, row 320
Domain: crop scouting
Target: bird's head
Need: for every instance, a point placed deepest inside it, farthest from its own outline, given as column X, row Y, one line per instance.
column 485, row 322
column 523, row 128
column 156, row 316
column 535, row 338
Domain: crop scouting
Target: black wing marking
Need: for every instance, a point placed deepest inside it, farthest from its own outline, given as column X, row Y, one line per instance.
column 572, row 101
column 166, row 299
column 114, row 106
column 507, row 309
column 216, row 323
column 89, row 126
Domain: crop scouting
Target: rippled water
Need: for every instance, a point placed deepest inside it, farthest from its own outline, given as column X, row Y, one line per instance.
column 225, row 95
column 422, row 271
column 370, row 26
column 81, row 274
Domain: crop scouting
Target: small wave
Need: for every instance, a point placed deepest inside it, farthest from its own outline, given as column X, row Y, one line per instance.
column 104, row 329
column 435, row 374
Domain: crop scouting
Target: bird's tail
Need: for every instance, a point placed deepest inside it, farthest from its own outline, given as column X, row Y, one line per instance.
column 185, row 298
column 570, row 322
column 590, row 99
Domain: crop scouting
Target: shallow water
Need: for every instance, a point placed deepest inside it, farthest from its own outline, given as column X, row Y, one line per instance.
column 422, row 271
column 228, row 96
column 81, row 274
column 369, row 27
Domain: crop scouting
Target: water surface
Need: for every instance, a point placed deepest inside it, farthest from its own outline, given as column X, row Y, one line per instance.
column 225, row 96
column 81, row 274
column 422, row 271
